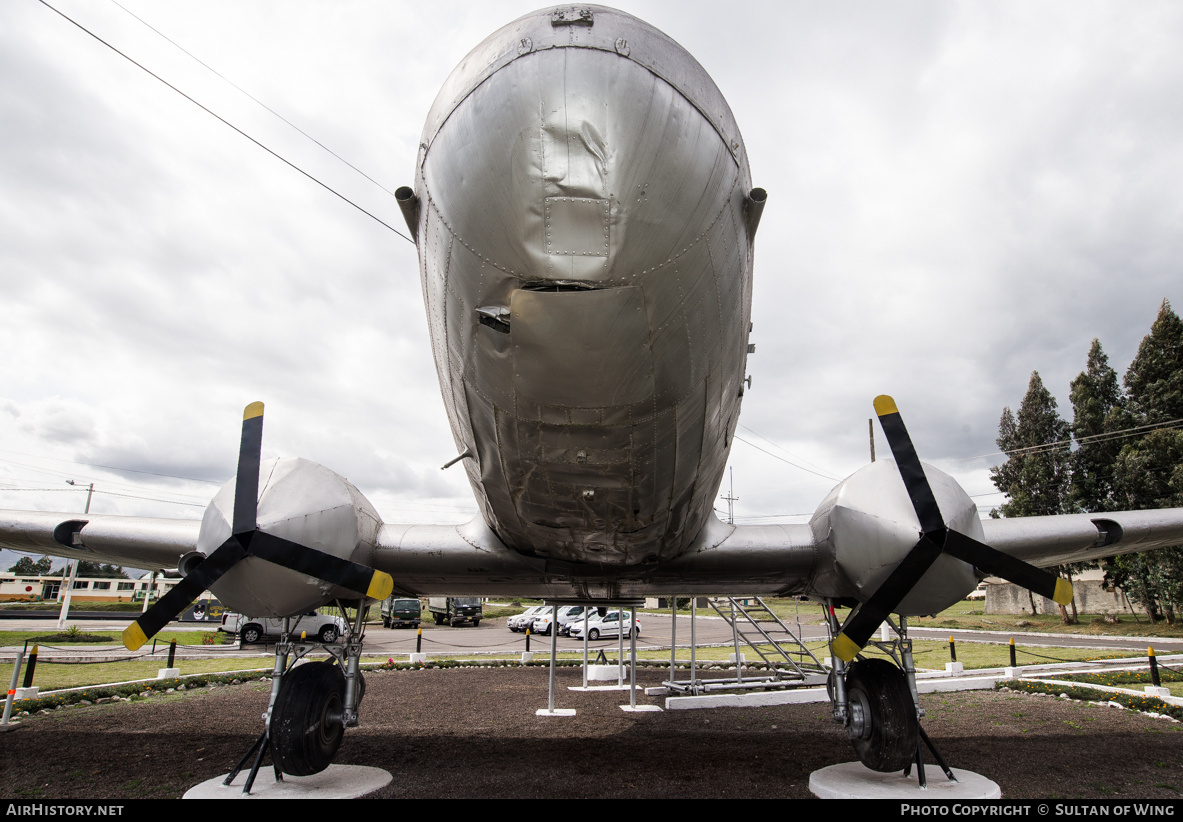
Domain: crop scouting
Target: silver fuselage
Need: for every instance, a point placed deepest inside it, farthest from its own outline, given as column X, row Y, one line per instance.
column 584, row 187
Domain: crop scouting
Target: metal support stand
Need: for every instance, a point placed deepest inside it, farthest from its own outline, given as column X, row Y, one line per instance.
column 550, row 709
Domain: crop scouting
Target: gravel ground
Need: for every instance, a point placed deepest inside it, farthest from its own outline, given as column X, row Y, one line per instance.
column 473, row 733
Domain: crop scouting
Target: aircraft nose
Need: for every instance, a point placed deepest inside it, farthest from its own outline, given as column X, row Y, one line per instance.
column 578, row 165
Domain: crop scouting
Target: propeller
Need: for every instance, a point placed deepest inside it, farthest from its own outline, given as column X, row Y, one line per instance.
column 247, row 540
column 935, row 539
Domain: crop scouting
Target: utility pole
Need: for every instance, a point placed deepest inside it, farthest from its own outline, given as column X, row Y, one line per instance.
column 731, row 498
column 68, row 582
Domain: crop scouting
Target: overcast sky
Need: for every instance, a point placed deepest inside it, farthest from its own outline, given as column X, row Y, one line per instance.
column 959, row 194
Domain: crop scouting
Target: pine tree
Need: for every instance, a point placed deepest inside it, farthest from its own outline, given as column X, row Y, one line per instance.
column 1036, row 476
column 1095, row 400
column 1149, row 468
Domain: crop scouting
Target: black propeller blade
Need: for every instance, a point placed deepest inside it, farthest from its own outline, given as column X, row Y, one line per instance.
column 935, row 538
column 246, row 540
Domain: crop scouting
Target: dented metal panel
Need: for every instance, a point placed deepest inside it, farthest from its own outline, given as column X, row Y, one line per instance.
column 601, row 404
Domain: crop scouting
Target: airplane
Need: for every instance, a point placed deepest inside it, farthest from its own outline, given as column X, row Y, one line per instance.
column 585, row 218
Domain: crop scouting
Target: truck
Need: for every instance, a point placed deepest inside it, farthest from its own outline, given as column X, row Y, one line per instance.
column 400, row 612
column 455, row 610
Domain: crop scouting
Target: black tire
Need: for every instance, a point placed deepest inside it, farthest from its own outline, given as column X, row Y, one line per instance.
column 251, row 634
column 385, row 622
column 882, row 722
column 593, row 634
column 307, row 725
column 439, row 620
column 328, row 633
column 476, row 623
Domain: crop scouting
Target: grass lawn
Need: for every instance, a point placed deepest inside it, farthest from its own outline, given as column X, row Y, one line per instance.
column 41, row 637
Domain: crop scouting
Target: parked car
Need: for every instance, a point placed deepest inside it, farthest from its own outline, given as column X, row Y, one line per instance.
column 518, row 623
column 566, row 615
column 610, row 624
column 251, row 630
column 401, row 612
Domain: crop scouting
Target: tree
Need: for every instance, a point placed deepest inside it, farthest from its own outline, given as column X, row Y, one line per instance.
column 95, row 569
column 1036, row 476
column 25, row 566
column 1096, row 396
column 1149, row 468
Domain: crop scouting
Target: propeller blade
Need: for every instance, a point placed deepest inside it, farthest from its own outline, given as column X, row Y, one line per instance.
column 996, row 563
column 188, row 589
column 246, row 484
column 935, row 538
column 366, row 581
column 863, row 622
column 919, row 491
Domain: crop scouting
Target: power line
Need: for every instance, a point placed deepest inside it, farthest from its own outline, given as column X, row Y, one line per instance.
column 1106, row 436
column 223, row 120
column 816, row 473
column 243, row 91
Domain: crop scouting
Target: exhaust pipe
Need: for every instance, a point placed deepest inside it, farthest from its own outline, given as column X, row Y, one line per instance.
column 408, row 204
column 753, row 207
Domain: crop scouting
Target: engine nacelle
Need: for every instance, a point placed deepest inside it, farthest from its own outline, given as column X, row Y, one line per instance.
column 305, row 503
column 869, row 523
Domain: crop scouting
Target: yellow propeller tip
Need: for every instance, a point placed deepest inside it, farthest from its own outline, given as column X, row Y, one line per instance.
column 255, row 409
column 885, row 405
column 134, row 637
column 1063, row 594
column 381, row 585
column 845, row 648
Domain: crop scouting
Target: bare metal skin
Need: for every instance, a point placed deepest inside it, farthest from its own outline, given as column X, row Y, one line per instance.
column 584, row 219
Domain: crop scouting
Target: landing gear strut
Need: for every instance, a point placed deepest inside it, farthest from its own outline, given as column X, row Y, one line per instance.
column 877, row 702
column 311, row 704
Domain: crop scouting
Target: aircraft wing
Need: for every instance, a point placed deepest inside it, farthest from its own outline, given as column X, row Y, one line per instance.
column 470, row 560
column 136, row 542
column 1054, row 540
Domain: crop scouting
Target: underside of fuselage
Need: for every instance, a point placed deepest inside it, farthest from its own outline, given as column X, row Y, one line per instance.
column 584, row 233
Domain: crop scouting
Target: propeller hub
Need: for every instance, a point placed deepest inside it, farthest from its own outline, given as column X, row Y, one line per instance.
column 871, row 525
column 304, row 503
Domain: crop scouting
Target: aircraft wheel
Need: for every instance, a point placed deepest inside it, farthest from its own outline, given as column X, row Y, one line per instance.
column 881, row 722
column 307, row 724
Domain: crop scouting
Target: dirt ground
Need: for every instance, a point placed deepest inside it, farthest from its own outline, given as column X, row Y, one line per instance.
column 474, row 733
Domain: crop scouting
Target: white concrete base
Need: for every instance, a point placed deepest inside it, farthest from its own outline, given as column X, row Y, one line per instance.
column 637, row 709
column 954, row 668
column 555, row 712
column 335, row 782
column 605, row 672
column 527, row 656
column 1149, row 689
column 853, row 780
column 168, row 673
column 31, row 692
column 742, row 658
column 417, row 659
column 1012, row 673
column 623, row 687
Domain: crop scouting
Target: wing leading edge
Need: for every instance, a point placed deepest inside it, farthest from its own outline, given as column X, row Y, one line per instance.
column 469, row 559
